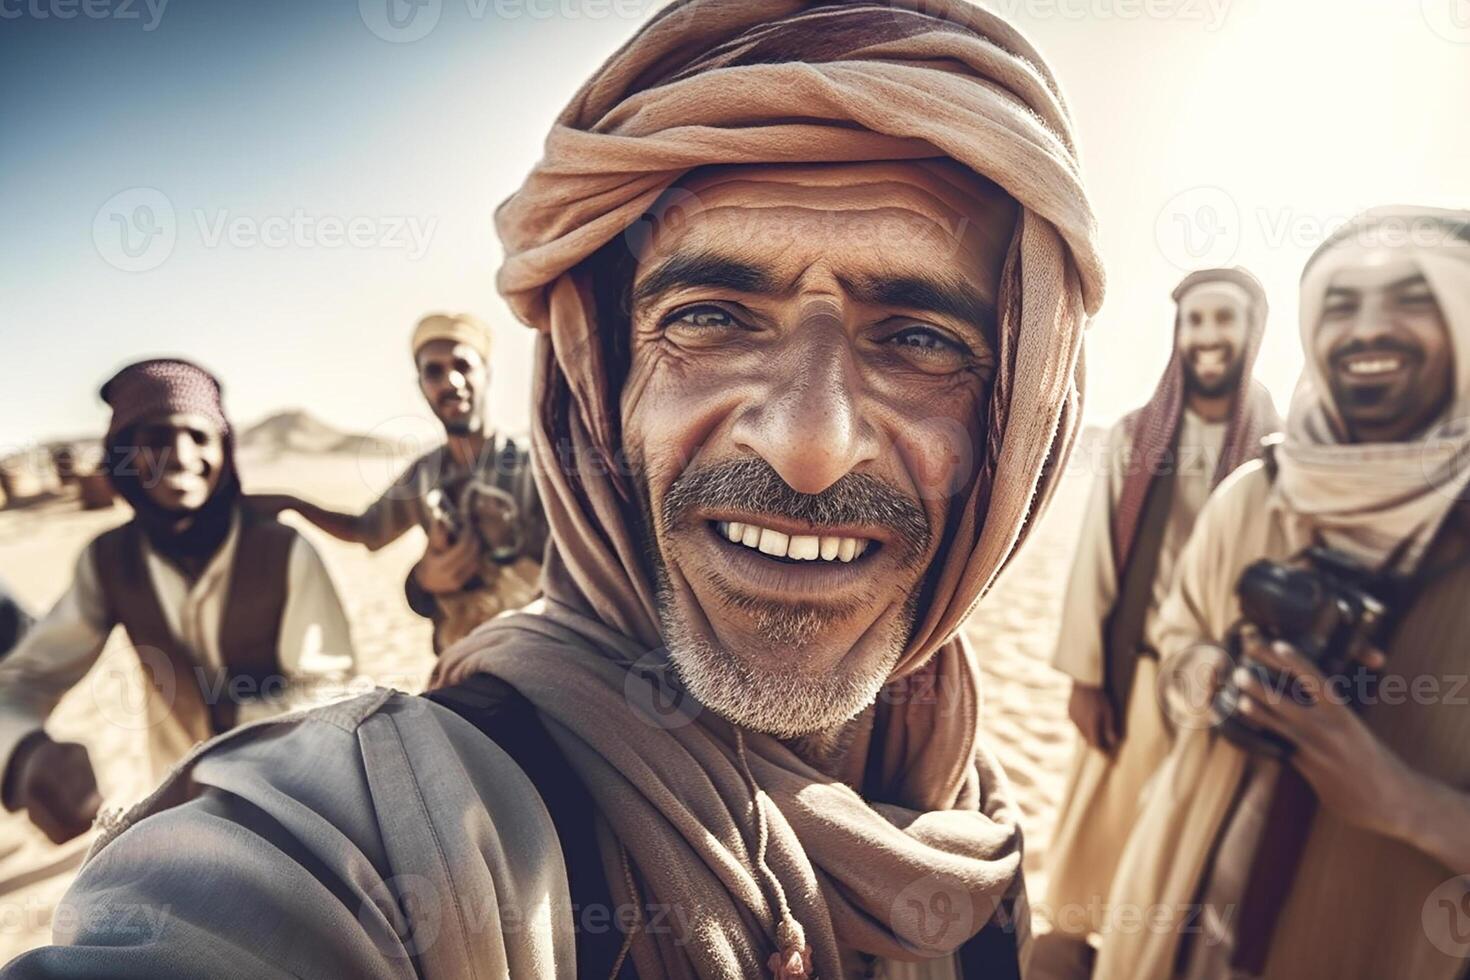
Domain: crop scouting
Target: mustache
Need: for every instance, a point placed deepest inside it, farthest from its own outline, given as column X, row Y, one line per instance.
column 750, row 483
column 1383, row 345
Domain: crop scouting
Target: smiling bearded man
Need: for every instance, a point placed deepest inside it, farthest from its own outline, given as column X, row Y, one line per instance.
column 1207, row 416
column 812, row 276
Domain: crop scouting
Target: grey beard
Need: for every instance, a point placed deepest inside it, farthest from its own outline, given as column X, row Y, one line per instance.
column 778, row 699
column 781, row 699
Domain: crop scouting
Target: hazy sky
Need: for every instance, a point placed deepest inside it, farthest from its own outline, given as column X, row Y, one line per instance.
column 279, row 189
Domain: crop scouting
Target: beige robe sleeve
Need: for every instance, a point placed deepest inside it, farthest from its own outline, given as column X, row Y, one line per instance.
column 1093, row 583
column 1168, row 849
column 56, row 654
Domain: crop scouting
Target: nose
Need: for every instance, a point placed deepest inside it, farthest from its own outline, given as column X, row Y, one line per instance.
column 184, row 451
column 1373, row 321
column 457, row 380
column 808, row 422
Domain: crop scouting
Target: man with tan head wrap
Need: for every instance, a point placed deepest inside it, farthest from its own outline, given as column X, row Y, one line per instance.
column 473, row 495
column 1206, row 417
column 1349, row 855
column 811, row 281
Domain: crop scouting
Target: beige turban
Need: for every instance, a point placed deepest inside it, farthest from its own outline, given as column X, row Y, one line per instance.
column 761, row 856
column 460, row 328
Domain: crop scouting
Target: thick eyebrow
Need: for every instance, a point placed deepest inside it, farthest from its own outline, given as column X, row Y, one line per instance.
column 946, row 298
column 706, row 269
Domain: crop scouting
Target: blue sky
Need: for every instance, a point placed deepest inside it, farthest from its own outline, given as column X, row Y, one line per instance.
column 320, row 178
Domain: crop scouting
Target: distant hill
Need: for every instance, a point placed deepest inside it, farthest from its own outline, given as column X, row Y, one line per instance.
column 297, row 431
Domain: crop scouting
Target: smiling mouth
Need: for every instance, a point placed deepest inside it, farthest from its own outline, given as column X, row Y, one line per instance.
column 1209, row 359
column 1371, row 366
column 794, row 548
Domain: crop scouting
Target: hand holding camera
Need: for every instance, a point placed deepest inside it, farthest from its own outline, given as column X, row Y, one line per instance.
column 1324, row 610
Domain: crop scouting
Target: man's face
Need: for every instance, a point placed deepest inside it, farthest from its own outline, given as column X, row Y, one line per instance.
column 453, row 377
column 810, row 367
column 1382, row 345
column 180, row 460
column 1212, row 337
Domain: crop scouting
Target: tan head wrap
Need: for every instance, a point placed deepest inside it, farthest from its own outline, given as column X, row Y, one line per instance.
column 460, row 328
column 761, row 854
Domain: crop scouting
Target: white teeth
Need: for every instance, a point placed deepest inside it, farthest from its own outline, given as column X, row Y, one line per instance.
column 804, row 546
column 773, row 543
column 1379, row 365
column 801, row 547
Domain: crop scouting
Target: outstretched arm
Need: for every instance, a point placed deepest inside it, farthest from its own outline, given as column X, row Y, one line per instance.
column 352, row 528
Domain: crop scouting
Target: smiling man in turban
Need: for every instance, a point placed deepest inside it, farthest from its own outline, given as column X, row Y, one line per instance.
column 811, row 281
column 1206, row 417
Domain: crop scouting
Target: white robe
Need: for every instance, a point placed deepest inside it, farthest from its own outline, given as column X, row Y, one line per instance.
column 1104, row 791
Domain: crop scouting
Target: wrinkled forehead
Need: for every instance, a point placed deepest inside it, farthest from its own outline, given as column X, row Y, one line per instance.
column 859, row 218
column 1210, row 296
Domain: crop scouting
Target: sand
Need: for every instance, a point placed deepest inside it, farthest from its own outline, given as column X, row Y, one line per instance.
column 1013, row 630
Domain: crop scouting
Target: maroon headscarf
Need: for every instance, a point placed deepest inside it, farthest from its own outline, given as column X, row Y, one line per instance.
column 1152, row 428
column 162, row 387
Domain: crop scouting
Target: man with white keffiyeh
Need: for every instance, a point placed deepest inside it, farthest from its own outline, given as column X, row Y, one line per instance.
column 1350, row 857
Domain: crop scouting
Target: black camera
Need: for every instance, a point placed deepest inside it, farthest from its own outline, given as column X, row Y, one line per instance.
column 1325, row 605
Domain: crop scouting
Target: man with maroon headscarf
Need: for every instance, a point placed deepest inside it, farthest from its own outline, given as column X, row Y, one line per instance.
column 1205, row 418
column 231, row 616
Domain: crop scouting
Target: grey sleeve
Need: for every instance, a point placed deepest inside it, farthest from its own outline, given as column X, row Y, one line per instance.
column 395, row 511
column 355, row 840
